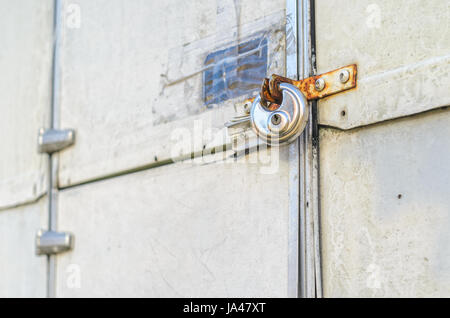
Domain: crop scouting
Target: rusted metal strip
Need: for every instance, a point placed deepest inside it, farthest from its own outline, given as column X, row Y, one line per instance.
column 313, row 87
column 332, row 81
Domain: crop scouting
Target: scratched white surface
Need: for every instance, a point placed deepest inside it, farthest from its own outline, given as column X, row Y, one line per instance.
column 22, row 273
column 402, row 49
column 385, row 200
column 26, row 33
column 193, row 230
column 132, row 77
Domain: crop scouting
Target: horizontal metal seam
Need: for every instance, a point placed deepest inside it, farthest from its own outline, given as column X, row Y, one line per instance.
column 418, row 114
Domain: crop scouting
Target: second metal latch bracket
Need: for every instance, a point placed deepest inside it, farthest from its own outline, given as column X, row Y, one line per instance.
column 54, row 140
column 51, row 242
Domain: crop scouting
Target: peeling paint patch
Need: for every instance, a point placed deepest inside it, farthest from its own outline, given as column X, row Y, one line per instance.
column 234, row 71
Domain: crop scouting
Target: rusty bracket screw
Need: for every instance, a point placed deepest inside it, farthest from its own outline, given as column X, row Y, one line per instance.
column 319, row 85
column 344, row 76
column 247, row 107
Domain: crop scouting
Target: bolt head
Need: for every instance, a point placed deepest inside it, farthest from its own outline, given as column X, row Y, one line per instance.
column 319, row 85
column 344, row 76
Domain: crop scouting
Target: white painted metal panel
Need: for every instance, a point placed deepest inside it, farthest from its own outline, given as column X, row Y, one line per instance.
column 210, row 229
column 131, row 77
column 26, row 33
column 402, row 49
column 22, row 273
column 385, row 198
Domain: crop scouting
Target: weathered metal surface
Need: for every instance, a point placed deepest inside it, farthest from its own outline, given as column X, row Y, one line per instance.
column 385, row 208
column 158, row 233
column 142, row 92
column 332, row 82
column 402, row 51
column 26, row 33
column 22, row 273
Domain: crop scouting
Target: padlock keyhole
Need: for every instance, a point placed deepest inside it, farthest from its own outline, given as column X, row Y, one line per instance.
column 276, row 119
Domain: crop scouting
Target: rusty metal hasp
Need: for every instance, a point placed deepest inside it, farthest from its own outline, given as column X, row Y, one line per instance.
column 313, row 87
column 278, row 115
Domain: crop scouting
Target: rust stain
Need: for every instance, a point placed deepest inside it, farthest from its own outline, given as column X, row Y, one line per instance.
column 249, row 100
column 271, row 93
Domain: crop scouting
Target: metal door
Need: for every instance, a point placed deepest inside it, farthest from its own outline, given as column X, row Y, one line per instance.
column 384, row 149
column 26, row 29
column 158, row 202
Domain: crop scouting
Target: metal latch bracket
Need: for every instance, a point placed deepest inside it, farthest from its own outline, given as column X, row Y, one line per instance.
column 51, row 242
column 54, row 140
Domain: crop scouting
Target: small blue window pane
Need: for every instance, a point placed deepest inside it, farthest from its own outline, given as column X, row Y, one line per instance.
column 234, row 71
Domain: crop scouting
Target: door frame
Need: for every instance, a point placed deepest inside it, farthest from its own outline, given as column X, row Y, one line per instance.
column 304, row 264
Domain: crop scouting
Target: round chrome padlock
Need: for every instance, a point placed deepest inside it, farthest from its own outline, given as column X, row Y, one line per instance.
column 286, row 123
